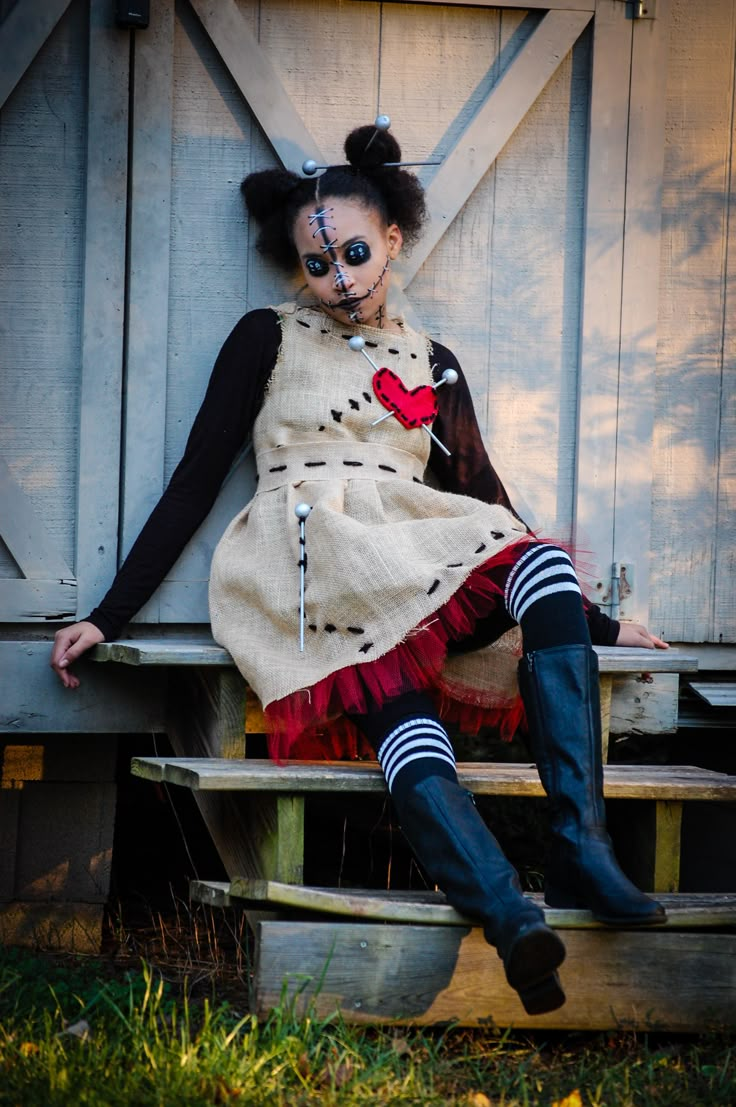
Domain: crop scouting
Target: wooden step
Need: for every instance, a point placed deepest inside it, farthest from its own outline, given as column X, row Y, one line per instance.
column 716, row 694
column 645, row 782
column 684, row 911
column 650, row 979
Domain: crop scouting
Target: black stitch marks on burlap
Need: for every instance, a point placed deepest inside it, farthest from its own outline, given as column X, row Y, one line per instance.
column 330, row 628
column 365, row 647
column 497, row 534
column 354, row 405
column 302, row 323
column 455, row 565
column 336, row 415
column 355, row 630
column 321, row 428
column 313, row 626
column 387, row 468
column 313, row 464
column 433, row 587
column 367, row 397
column 277, row 469
column 391, row 350
column 480, row 548
column 352, row 462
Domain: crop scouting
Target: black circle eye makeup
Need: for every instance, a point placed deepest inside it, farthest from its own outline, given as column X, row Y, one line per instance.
column 316, row 267
column 357, row 253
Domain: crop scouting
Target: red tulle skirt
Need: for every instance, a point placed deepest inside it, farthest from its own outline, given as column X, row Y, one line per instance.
column 312, row 724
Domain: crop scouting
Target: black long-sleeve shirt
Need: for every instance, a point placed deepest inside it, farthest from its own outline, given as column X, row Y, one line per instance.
column 223, row 425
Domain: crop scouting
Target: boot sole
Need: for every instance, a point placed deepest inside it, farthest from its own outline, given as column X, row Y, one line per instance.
column 571, row 903
column 530, row 969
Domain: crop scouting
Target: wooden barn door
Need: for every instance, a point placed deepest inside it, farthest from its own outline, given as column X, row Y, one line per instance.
column 537, row 265
column 63, row 173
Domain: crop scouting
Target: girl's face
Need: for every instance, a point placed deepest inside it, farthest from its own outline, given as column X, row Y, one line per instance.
column 346, row 250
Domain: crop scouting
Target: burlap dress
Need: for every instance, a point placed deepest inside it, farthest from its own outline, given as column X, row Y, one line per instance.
column 395, row 567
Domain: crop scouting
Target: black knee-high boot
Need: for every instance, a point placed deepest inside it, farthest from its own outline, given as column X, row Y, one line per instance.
column 459, row 853
column 559, row 687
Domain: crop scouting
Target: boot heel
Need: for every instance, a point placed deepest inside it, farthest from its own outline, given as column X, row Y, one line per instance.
column 560, row 897
column 545, row 996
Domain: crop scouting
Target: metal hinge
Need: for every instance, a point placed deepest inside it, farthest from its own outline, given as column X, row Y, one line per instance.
column 615, row 593
column 640, row 9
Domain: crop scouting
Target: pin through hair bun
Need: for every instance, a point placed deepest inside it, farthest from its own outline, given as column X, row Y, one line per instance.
column 274, row 197
column 367, row 148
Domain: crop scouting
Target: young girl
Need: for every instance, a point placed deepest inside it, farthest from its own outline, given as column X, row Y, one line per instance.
column 419, row 595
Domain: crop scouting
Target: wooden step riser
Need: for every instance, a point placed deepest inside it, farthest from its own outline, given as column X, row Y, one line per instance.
column 378, row 973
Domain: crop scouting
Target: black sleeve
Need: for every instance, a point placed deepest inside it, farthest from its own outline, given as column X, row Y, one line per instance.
column 469, row 472
column 222, row 426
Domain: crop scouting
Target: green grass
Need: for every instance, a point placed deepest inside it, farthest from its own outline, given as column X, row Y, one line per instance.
column 110, row 1032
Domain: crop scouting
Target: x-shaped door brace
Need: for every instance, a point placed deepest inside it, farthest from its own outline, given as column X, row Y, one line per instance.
column 464, row 165
column 476, row 148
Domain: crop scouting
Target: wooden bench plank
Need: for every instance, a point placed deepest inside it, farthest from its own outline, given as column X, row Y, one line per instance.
column 716, row 695
column 431, row 908
column 205, row 651
column 376, row 972
column 657, row 782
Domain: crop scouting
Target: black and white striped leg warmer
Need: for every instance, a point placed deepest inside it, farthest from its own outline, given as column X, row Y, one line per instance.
column 413, row 750
column 543, row 596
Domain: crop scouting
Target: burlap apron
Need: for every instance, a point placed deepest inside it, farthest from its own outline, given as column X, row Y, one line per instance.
column 384, row 550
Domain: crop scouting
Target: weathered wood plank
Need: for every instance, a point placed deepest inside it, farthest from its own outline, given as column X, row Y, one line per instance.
column 149, row 236
column 667, row 832
column 108, row 700
column 601, row 289
column 433, row 909
column 532, row 5
column 693, row 565
column 30, row 600
column 641, row 707
column 662, row 782
column 380, row 973
column 25, row 535
column 632, row 505
column 716, row 695
column 490, row 129
column 162, row 651
column 258, row 81
column 684, row 909
column 724, row 593
column 22, row 34
column 42, row 181
column 104, row 306
column 204, row 651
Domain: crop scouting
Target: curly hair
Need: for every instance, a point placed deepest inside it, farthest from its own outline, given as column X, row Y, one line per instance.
column 275, row 196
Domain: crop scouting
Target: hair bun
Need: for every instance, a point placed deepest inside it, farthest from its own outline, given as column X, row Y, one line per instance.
column 267, row 191
column 367, row 148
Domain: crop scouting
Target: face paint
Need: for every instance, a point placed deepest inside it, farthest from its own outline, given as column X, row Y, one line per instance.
column 346, row 249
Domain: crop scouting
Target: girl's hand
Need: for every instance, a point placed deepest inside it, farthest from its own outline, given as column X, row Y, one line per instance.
column 69, row 644
column 634, row 634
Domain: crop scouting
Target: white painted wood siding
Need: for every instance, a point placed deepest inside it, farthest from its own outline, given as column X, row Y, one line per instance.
column 42, row 182
column 549, row 305
column 694, row 493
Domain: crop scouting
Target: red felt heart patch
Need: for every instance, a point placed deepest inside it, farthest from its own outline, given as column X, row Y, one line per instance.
column 413, row 407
